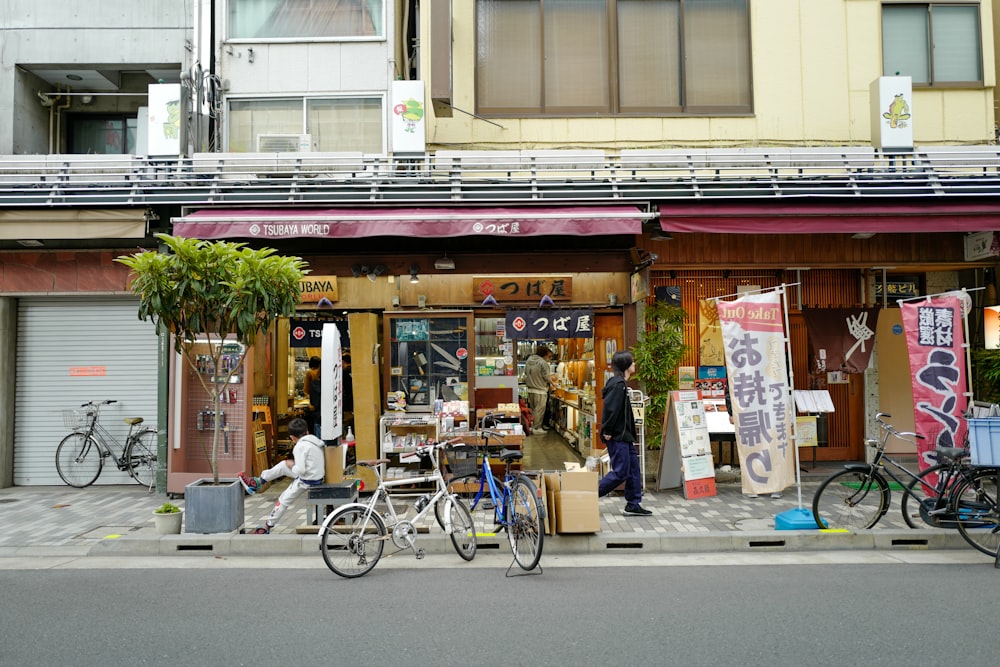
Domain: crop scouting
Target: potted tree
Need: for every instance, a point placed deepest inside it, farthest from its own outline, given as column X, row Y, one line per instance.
column 214, row 292
column 657, row 356
column 167, row 519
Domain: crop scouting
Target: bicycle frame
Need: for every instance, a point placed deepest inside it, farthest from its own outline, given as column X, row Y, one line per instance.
column 102, row 437
column 487, row 483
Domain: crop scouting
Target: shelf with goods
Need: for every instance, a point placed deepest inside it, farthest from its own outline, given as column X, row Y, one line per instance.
column 400, row 434
column 576, row 418
column 191, row 443
column 507, row 420
column 496, row 369
column 428, row 359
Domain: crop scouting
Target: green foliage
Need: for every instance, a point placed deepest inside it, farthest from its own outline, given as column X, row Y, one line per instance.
column 657, row 356
column 167, row 508
column 986, row 375
column 213, row 292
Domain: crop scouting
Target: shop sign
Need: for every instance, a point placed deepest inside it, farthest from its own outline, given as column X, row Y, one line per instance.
column 523, row 288
column 316, row 288
column 551, row 323
column 902, row 289
column 88, row 371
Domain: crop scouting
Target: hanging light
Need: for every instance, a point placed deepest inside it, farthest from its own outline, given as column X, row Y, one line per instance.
column 414, row 270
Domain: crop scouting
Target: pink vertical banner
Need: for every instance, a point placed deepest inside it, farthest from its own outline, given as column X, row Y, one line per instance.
column 753, row 337
column 935, row 342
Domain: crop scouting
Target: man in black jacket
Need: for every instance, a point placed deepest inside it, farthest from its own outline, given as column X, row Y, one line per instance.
column 619, row 436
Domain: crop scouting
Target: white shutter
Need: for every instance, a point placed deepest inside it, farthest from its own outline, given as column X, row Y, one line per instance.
column 70, row 351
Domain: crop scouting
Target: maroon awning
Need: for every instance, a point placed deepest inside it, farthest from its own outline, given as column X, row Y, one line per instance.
column 512, row 222
column 831, row 218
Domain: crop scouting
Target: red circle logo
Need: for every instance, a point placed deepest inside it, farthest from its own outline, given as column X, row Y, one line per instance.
column 519, row 324
column 298, row 333
column 461, row 353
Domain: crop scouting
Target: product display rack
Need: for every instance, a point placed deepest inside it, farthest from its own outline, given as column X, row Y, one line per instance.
column 400, row 434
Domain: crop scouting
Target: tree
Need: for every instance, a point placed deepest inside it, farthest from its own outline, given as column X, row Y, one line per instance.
column 657, row 356
column 217, row 292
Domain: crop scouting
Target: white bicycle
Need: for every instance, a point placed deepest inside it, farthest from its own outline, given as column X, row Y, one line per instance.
column 353, row 538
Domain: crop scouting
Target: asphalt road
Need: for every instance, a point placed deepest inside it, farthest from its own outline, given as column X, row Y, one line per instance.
column 779, row 609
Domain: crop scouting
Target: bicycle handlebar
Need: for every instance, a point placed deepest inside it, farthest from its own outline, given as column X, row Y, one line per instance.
column 882, row 416
column 106, row 402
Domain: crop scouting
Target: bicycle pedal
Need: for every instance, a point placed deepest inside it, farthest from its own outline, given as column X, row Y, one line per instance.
column 419, row 554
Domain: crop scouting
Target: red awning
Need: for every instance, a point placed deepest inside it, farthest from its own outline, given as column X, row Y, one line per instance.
column 513, row 222
column 830, row 218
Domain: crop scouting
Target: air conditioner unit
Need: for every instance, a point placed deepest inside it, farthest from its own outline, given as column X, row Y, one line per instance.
column 284, row 143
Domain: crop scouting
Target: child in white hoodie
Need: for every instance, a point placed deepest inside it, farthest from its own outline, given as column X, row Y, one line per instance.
column 307, row 467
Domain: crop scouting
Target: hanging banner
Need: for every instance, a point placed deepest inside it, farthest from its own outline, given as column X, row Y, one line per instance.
column 331, row 377
column 935, row 342
column 840, row 339
column 551, row 323
column 709, row 334
column 754, row 341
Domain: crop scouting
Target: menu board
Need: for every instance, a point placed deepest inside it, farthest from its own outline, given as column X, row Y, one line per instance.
column 686, row 450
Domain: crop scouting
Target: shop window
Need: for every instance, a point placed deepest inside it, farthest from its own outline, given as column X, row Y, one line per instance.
column 332, row 124
column 310, row 19
column 613, row 56
column 102, row 135
column 935, row 44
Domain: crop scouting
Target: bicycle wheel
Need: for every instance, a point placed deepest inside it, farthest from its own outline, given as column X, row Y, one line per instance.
column 483, row 513
column 974, row 504
column 141, row 457
column 352, row 541
column 79, row 460
column 525, row 529
column 921, row 503
column 463, row 530
column 851, row 499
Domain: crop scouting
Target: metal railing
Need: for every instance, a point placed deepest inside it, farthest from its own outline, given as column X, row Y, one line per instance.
column 497, row 177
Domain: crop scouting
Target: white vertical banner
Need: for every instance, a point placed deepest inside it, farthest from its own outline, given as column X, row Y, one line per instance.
column 754, row 340
column 407, row 119
column 164, row 124
column 331, row 388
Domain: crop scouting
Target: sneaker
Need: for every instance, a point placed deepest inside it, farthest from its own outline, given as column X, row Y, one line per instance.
column 262, row 530
column 539, row 431
column 750, row 495
column 636, row 510
column 251, row 484
column 776, row 495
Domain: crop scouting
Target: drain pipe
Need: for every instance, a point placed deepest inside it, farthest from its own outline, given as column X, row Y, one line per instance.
column 58, row 113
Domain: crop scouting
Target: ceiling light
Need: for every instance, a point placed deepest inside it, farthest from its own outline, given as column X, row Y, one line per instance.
column 374, row 273
column 445, row 263
column 863, row 235
column 74, row 77
column 660, row 235
column 356, row 271
column 414, row 270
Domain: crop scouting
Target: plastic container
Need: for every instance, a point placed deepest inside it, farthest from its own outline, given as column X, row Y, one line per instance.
column 984, row 441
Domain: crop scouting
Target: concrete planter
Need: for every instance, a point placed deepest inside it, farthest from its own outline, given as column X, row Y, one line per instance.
column 168, row 524
column 212, row 508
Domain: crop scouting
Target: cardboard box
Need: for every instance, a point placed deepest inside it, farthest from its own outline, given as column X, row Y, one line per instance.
column 578, row 480
column 577, row 512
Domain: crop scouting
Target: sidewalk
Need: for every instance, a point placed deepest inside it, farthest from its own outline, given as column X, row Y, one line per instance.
column 117, row 521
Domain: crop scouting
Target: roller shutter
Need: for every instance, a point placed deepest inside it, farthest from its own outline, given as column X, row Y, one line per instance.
column 70, row 351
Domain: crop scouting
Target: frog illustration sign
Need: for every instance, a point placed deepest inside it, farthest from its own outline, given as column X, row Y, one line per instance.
column 408, row 120
column 892, row 114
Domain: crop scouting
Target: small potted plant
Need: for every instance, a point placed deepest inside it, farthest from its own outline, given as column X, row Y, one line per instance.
column 167, row 519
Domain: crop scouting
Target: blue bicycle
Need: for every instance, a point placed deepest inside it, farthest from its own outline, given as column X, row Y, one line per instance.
column 515, row 502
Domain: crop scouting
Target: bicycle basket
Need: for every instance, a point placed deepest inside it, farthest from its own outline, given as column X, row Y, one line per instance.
column 77, row 418
column 461, row 462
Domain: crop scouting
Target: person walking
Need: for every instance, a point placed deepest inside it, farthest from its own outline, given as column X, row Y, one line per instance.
column 307, row 468
column 538, row 380
column 619, row 436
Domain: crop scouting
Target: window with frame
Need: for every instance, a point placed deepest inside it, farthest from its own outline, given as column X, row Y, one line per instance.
column 311, row 19
column 335, row 124
column 936, row 44
column 565, row 57
column 102, row 134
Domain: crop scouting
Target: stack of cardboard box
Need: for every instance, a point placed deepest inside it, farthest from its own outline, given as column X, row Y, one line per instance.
column 571, row 497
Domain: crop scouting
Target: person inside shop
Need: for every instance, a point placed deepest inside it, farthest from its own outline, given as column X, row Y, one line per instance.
column 311, row 390
column 619, row 435
column 539, row 381
column 307, row 468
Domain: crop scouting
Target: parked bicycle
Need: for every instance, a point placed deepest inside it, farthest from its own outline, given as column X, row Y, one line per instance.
column 513, row 504
column 859, row 496
column 353, row 538
column 80, row 456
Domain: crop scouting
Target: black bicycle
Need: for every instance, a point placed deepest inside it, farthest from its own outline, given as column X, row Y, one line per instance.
column 80, row 456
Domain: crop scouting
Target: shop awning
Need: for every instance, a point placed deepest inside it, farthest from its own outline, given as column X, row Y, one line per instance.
column 848, row 217
column 49, row 223
column 511, row 222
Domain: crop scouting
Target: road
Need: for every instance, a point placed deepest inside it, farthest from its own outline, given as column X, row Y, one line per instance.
column 827, row 608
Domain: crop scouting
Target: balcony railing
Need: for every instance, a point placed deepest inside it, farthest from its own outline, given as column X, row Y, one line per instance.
column 497, row 177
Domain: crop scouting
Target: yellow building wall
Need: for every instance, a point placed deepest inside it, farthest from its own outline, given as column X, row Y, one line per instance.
column 813, row 63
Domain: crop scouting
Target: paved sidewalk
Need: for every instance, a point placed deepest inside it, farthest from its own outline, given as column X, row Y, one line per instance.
column 117, row 520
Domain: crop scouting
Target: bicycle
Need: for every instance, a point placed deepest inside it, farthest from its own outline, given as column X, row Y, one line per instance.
column 858, row 496
column 80, row 456
column 514, row 502
column 352, row 539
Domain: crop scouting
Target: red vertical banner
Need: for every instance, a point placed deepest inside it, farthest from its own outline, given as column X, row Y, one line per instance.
column 935, row 342
column 753, row 336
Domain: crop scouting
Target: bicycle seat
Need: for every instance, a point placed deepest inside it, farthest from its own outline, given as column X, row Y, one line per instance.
column 951, row 453
column 132, row 421
column 511, row 455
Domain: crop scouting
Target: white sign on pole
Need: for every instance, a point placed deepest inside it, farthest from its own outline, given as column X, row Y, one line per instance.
column 407, row 117
column 331, row 388
column 165, row 112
